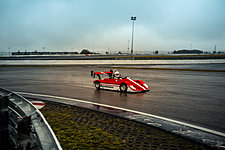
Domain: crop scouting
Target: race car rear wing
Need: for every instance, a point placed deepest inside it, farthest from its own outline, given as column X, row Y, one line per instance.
column 98, row 73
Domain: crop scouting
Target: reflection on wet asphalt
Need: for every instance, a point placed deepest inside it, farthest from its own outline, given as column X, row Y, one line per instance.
column 193, row 97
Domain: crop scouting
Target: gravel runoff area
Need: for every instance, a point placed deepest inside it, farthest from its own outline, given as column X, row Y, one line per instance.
column 80, row 128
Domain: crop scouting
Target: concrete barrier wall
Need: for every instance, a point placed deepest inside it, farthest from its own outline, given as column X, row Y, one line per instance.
column 108, row 62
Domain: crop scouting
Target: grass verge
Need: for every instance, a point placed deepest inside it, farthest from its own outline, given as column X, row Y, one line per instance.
column 79, row 128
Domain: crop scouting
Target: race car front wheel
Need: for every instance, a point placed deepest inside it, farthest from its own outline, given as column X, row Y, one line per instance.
column 97, row 85
column 123, row 87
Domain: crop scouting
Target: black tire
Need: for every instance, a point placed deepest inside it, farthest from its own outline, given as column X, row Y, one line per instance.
column 93, row 74
column 123, row 87
column 97, row 85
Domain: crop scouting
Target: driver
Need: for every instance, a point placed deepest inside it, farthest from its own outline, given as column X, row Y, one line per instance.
column 117, row 75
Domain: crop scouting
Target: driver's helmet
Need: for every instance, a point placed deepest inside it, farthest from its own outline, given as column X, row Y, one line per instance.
column 117, row 74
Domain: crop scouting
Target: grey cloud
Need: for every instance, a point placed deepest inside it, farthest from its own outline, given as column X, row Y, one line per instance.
column 59, row 24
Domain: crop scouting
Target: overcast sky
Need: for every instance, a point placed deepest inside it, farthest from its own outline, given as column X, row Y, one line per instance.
column 101, row 25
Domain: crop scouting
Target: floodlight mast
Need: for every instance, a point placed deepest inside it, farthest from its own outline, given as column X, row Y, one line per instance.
column 132, row 41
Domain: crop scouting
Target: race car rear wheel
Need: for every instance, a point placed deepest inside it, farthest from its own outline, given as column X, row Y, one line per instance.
column 97, row 85
column 123, row 87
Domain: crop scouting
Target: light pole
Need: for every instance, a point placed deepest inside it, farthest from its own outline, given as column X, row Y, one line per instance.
column 128, row 47
column 132, row 41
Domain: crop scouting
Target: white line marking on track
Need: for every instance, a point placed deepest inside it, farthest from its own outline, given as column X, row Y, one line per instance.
column 133, row 111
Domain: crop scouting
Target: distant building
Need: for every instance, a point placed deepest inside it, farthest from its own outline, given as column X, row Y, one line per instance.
column 43, row 53
column 184, row 51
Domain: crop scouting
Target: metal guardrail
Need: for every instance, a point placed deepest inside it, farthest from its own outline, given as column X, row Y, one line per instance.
column 24, row 126
column 116, row 57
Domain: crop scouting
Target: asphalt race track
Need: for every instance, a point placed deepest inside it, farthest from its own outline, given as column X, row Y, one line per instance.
column 190, row 96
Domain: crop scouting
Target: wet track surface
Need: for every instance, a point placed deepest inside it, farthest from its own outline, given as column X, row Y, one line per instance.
column 190, row 96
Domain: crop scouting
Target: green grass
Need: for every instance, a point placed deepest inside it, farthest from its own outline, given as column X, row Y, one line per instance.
column 78, row 136
column 78, row 128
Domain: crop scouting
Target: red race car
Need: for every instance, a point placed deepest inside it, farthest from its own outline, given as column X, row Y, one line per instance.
column 112, row 80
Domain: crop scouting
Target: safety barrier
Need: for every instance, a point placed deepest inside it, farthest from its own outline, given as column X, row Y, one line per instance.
column 22, row 126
